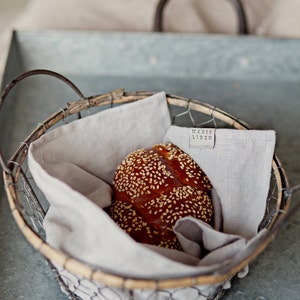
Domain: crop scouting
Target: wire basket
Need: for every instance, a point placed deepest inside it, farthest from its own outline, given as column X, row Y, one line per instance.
column 29, row 207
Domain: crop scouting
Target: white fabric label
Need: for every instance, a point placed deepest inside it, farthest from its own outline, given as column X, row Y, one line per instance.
column 202, row 138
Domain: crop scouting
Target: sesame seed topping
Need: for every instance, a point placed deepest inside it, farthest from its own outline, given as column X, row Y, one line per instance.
column 154, row 188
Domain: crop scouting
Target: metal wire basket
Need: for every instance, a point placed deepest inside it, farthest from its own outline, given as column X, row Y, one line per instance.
column 29, row 208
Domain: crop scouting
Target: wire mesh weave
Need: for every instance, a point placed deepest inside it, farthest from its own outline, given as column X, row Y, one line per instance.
column 29, row 207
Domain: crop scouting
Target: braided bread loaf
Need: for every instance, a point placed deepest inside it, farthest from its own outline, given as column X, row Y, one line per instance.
column 156, row 187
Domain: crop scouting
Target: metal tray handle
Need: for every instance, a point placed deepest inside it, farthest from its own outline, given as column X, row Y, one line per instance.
column 242, row 20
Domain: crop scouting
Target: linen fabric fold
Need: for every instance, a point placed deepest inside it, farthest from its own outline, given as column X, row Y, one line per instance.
column 239, row 168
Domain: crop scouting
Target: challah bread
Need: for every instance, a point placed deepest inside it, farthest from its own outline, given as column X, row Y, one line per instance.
column 156, row 187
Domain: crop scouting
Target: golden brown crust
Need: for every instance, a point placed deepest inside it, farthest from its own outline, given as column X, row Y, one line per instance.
column 156, row 187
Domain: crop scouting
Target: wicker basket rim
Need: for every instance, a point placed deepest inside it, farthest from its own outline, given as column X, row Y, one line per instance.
column 119, row 96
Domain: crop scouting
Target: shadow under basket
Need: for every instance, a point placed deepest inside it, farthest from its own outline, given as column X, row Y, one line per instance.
column 29, row 207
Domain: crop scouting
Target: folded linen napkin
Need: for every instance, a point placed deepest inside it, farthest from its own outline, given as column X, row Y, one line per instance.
column 74, row 165
column 239, row 168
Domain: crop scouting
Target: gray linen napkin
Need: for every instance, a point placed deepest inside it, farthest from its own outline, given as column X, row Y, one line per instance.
column 74, row 166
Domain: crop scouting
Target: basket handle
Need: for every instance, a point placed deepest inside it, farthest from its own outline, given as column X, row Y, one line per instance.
column 15, row 81
column 242, row 20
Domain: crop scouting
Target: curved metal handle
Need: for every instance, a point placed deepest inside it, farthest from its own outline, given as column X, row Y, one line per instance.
column 15, row 81
column 242, row 20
